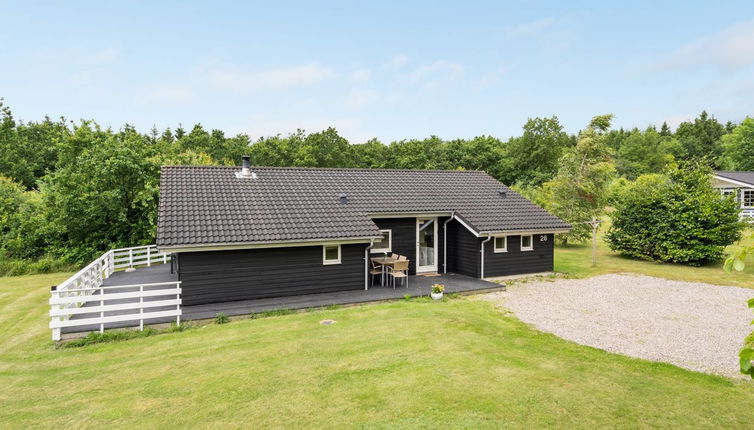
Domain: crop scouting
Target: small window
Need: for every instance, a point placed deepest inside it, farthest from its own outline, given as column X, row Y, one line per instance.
column 501, row 244
column 727, row 192
column 526, row 243
column 385, row 244
column 331, row 254
column 747, row 198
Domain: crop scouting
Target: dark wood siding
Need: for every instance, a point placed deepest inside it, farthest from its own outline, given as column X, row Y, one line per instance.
column 219, row 276
column 515, row 261
column 463, row 250
column 404, row 238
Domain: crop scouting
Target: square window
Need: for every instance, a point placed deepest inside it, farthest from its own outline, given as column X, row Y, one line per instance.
column 331, row 254
column 501, row 244
column 385, row 244
column 527, row 244
column 747, row 198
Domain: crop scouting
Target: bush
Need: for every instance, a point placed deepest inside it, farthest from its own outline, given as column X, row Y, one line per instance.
column 675, row 217
column 221, row 318
column 47, row 264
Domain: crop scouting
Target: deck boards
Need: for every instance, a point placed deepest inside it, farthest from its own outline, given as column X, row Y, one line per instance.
column 418, row 286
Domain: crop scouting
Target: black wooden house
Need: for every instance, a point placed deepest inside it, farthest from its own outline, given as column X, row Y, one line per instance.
column 257, row 232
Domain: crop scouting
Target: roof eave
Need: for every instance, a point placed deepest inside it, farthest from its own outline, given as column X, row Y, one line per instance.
column 199, row 247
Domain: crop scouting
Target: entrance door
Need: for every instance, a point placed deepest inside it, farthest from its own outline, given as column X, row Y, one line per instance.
column 426, row 245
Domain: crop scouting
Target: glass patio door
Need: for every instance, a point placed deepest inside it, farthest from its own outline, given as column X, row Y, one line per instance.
column 426, row 244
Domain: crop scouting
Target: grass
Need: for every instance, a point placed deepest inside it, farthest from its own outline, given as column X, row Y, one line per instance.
column 457, row 363
column 575, row 261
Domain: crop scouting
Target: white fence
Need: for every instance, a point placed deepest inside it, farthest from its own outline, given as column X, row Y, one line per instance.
column 138, row 256
column 122, row 302
column 74, row 291
column 747, row 214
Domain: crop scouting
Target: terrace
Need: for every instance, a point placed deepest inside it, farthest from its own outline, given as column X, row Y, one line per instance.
column 105, row 296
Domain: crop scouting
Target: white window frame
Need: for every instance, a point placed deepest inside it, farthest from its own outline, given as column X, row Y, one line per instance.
column 743, row 198
column 728, row 192
column 505, row 244
column 325, row 261
column 531, row 242
column 389, row 242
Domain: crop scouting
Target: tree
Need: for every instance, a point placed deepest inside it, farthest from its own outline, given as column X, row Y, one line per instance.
column 737, row 261
column 738, row 147
column 533, row 158
column 700, row 139
column 665, row 130
column 674, row 217
column 641, row 153
column 579, row 190
column 28, row 150
column 324, row 149
column 11, row 196
column 370, row 154
column 105, row 198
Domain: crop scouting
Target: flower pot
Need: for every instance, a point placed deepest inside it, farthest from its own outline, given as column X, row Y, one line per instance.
column 436, row 296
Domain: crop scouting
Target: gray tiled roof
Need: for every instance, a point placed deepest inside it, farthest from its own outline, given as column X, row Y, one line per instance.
column 202, row 205
column 745, row 177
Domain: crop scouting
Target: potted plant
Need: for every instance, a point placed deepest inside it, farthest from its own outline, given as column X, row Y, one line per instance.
column 437, row 290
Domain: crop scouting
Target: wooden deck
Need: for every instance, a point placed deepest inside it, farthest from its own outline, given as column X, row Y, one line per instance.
column 418, row 286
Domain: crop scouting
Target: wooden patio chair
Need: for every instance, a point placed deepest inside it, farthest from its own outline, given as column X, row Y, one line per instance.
column 375, row 270
column 399, row 270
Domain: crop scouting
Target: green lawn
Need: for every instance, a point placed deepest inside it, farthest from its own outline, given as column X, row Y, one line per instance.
column 456, row 364
column 575, row 260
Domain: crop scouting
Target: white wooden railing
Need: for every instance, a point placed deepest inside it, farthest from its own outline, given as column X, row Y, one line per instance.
column 747, row 214
column 138, row 256
column 128, row 301
column 88, row 281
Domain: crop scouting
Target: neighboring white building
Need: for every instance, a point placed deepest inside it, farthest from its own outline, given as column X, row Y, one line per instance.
column 740, row 185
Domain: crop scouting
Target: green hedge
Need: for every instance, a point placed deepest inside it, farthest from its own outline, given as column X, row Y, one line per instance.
column 674, row 217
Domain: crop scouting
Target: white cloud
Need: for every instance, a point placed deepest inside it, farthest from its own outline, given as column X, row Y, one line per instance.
column 431, row 74
column 493, row 77
column 730, row 49
column 396, row 62
column 102, row 57
column 674, row 121
column 360, row 76
column 167, row 95
column 531, row 28
column 358, row 98
column 279, row 78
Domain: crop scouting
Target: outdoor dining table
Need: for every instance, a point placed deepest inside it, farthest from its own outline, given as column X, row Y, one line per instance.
column 384, row 262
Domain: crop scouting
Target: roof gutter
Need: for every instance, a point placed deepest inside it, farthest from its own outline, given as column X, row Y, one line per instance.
column 516, row 232
column 266, row 244
column 481, row 251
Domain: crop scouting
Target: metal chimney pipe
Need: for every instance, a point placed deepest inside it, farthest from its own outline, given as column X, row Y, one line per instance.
column 245, row 166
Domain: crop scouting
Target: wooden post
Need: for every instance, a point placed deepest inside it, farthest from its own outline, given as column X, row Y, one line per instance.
column 141, row 307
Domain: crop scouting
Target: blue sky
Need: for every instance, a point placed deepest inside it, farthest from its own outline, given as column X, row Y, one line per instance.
column 389, row 70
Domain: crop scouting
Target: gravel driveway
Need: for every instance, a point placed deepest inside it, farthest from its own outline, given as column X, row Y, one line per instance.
column 693, row 325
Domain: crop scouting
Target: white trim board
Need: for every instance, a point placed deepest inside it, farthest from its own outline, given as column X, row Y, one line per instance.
column 409, row 215
column 229, row 247
column 520, row 232
column 732, row 181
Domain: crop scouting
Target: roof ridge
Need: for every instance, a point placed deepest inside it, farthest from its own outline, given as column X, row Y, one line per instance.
column 322, row 168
